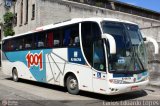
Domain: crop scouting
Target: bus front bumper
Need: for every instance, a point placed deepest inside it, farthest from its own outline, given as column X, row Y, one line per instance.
column 115, row 89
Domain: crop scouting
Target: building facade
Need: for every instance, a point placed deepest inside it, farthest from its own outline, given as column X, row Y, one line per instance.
column 122, row 7
column 30, row 14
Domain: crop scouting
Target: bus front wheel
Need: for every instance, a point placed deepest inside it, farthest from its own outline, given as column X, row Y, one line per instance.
column 72, row 85
column 15, row 75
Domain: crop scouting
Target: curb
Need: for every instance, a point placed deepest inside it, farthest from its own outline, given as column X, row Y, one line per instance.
column 153, row 84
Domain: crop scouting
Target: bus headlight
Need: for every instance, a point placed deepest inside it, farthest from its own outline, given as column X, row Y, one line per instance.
column 147, row 78
column 116, row 81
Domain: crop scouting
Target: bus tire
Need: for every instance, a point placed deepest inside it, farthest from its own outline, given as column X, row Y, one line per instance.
column 15, row 75
column 72, row 85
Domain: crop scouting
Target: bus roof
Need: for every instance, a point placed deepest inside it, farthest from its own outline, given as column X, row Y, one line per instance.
column 68, row 22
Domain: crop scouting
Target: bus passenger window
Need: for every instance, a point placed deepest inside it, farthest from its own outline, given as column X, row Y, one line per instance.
column 40, row 44
column 76, row 41
column 71, row 36
column 8, row 45
column 67, row 39
column 53, row 38
column 13, row 45
column 27, row 45
column 20, row 47
column 50, row 39
column 4, row 45
column 20, row 43
column 71, row 42
column 56, row 43
column 28, row 42
column 40, row 39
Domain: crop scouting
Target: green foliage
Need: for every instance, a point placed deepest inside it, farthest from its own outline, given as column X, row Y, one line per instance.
column 8, row 31
column 8, row 16
column 8, row 22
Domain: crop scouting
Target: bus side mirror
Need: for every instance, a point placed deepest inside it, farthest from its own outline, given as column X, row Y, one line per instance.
column 156, row 46
column 112, row 42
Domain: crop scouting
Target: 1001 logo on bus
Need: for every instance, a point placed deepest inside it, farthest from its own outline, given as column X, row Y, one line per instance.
column 34, row 60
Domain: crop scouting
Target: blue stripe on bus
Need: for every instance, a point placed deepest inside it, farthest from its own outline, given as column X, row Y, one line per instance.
column 129, row 75
column 39, row 75
column 122, row 75
column 74, row 56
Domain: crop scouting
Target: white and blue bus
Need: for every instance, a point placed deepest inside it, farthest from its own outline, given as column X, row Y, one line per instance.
column 100, row 55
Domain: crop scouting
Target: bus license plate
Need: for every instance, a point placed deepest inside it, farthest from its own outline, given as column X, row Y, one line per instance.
column 134, row 88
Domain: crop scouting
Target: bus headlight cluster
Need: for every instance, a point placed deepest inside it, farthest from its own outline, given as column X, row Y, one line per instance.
column 144, row 79
column 115, row 81
column 147, row 78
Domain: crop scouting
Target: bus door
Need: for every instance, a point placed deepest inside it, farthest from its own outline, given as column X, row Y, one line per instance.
column 99, row 67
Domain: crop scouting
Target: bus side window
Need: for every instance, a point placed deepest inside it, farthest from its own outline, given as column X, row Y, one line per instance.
column 19, row 43
column 5, row 45
column 71, row 36
column 20, row 47
column 12, row 45
column 27, row 45
column 77, row 41
column 53, row 38
column 40, row 44
column 40, row 40
column 50, row 39
column 8, row 45
column 57, row 38
column 28, row 42
column 67, row 34
column 56, row 43
column 75, row 36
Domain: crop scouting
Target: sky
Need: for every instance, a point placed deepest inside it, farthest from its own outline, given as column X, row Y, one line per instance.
column 149, row 4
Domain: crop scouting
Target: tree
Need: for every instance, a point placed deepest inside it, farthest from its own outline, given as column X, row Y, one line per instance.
column 8, row 24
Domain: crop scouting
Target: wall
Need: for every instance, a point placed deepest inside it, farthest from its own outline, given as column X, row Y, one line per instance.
column 52, row 11
column 32, row 24
column 62, row 10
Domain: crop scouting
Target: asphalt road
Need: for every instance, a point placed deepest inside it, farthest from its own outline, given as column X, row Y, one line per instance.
column 29, row 93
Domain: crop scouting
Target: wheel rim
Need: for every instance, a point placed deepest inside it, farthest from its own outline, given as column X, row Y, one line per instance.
column 72, row 84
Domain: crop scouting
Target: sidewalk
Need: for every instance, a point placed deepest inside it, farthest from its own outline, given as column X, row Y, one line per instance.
column 154, row 79
column 155, row 83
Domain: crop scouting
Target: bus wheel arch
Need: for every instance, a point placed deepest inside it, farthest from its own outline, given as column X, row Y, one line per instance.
column 15, row 74
column 71, row 83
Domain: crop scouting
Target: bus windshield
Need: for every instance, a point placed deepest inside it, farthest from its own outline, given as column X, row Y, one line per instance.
column 130, row 49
